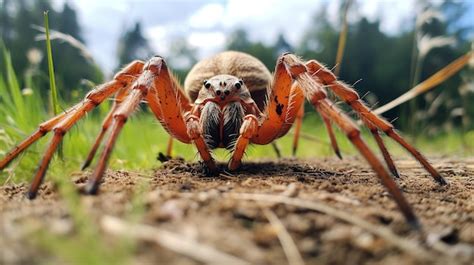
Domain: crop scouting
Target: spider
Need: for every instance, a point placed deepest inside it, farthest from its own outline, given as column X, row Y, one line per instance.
column 229, row 101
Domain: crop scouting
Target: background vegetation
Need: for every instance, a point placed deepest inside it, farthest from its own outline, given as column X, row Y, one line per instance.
column 383, row 66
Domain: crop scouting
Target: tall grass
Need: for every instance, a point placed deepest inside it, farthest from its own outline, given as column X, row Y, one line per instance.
column 52, row 79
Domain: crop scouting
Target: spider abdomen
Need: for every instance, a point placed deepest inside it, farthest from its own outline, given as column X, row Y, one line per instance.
column 251, row 70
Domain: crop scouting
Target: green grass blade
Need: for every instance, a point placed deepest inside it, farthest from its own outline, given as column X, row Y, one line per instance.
column 15, row 91
column 52, row 81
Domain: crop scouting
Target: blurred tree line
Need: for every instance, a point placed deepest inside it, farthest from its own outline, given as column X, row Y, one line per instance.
column 18, row 29
column 381, row 66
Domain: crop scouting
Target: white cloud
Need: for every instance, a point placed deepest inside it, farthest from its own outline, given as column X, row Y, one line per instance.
column 208, row 16
column 393, row 14
column 205, row 24
column 158, row 38
column 207, row 43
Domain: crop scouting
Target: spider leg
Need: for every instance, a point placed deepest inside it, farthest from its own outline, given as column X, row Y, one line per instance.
column 276, row 149
column 120, row 116
column 295, row 69
column 173, row 109
column 42, row 130
column 386, row 155
column 166, row 101
column 247, row 131
column 326, row 108
column 94, row 98
column 351, row 97
column 121, row 94
column 298, row 123
column 285, row 100
column 332, row 137
column 169, row 147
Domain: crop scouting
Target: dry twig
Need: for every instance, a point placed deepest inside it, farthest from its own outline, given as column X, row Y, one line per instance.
column 287, row 243
column 172, row 241
column 409, row 246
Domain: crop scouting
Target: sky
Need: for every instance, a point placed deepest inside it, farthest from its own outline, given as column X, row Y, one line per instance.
column 205, row 24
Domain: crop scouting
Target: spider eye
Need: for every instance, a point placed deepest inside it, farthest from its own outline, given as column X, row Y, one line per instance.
column 238, row 85
column 227, row 92
column 207, row 84
column 241, row 81
column 218, row 92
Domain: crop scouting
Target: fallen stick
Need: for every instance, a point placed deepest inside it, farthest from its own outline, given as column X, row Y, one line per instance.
column 172, row 241
column 409, row 246
column 287, row 243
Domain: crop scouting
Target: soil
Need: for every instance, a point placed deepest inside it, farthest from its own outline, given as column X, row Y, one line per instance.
column 209, row 212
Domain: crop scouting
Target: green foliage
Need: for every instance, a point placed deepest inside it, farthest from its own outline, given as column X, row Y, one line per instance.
column 239, row 41
column 17, row 18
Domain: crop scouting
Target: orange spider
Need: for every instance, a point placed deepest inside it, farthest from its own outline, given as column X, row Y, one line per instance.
column 232, row 100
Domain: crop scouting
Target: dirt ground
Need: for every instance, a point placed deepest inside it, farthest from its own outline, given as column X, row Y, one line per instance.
column 192, row 219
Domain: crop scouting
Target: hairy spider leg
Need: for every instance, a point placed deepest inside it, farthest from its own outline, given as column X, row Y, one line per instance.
column 298, row 123
column 289, row 68
column 332, row 137
column 280, row 113
column 173, row 109
column 119, row 97
column 166, row 101
column 64, row 121
column 351, row 97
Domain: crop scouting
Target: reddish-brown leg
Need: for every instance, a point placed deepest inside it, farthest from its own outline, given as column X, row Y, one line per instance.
column 298, row 123
column 91, row 101
column 176, row 117
column 119, row 118
column 42, row 130
column 63, row 122
column 169, row 147
column 332, row 137
column 326, row 108
column 386, row 155
column 105, row 126
column 351, row 97
column 315, row 93
column 247, row 131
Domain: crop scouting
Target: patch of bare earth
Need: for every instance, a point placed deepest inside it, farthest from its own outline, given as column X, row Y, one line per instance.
column 266, row 213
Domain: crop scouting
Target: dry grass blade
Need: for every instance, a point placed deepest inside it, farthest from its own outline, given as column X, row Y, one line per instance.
column 66, row 38
column 175, row 242
column 429, row 83
column 287, row 243
column 409, row 246
column 342, row 39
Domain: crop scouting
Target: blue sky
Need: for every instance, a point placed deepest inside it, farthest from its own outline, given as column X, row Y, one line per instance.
column 205, row 24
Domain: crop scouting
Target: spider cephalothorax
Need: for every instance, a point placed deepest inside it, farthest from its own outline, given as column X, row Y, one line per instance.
column 229, row 100
column 222, row 104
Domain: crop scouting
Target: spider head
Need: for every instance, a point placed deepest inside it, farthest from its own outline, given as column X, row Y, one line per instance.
column 224, row 88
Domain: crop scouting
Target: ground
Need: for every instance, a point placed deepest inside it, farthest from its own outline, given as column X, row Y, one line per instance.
column 335, row 212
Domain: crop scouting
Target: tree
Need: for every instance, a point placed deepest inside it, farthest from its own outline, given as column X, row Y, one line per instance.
column 281, row 45
column 19, row 37
column 133, row 46
column 239, row 41
column 182, row 57
column 70, row 74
